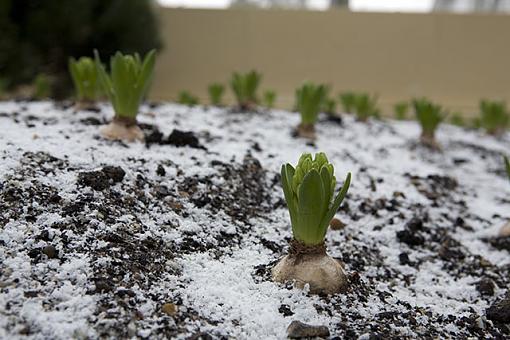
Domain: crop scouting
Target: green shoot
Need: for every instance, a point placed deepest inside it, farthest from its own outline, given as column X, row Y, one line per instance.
column 494, row 117
column 429, row 116
column 507, row 166
column 456, row 118
column 269, row 98
column 128, row 81
column 309, row 190
column 42, row 86
column 186, row 98
column 401, row 109
column 347, row 100
column 329, row 106
column 84, row 75
column 216, row 91
column 309, row 101
column 245, row 88
column 365, row 106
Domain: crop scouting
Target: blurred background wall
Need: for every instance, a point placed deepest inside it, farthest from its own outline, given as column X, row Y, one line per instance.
column 450, row 58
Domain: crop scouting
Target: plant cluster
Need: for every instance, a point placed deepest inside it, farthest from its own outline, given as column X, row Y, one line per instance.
column 429, row 115
column 494, row 117
column 361, row 104
column 365, row 106
column 309, row 100
column 269, row 98
column 125, row 86
column 216, row 91
column 245, row 88
column 329, row 106
column 347, row 100
column 309, row 192
column 401, row 109
column 128, row 81
column 84, row 75
column 456, row 118
column 41, row 86
column 186, row 98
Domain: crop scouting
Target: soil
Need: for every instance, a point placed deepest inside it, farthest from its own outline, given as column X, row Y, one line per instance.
column 176, row 237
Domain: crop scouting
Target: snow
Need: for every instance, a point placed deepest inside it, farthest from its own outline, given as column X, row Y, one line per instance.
column 223, row 290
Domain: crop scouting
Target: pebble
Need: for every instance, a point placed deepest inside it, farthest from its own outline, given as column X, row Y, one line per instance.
column 500, row 310
column 50, row 251
column 485, row 286
column 169, row 309
column 505, row 230
column 336, row 224
column 300, row 330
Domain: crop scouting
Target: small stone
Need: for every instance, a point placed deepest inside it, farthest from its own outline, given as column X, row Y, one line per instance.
column 115, row 173
column 336, row 224
column 505, row 230
column 169, row 309
column 161, row 170
column 174, row 204
column 404, row 259
column 410, row 238
column 500, row 310
column 485, row 286
column 414, row 224
column 50, row 251
column 300, row 330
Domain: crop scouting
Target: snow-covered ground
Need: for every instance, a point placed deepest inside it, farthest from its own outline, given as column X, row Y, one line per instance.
column 199, row 228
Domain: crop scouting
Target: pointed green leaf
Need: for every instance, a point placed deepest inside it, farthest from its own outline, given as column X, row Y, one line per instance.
column 336, row 203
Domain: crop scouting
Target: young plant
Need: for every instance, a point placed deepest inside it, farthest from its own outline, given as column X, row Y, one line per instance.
column 309, row 191
column 41, row 86
column 84, row 75
column 309, row 102
column 401, row 109
column 125, row 86
column 365, row 106
column 186, row 98
column 429, row 116
column 269, row 98
column 494, row 117
column 216, row 91
column 245, row 88
column 347, row 100
column 457, row 119
column 329, row 106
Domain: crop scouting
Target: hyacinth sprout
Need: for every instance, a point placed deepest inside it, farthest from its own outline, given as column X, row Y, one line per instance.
column 269, row 98
column 309, row 191
column 309, row 102
column 429, row 115
column 84, row 75
column 126, row 86
column 216, row 91
column 494, row 117
column 186, row 98
column 245, row 88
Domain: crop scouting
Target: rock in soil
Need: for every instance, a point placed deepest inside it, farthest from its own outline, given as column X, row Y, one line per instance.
column 300, row 330
column 500, row 310
column 336, row 224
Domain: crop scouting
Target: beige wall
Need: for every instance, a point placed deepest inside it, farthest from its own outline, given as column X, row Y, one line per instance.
column 453, row 59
